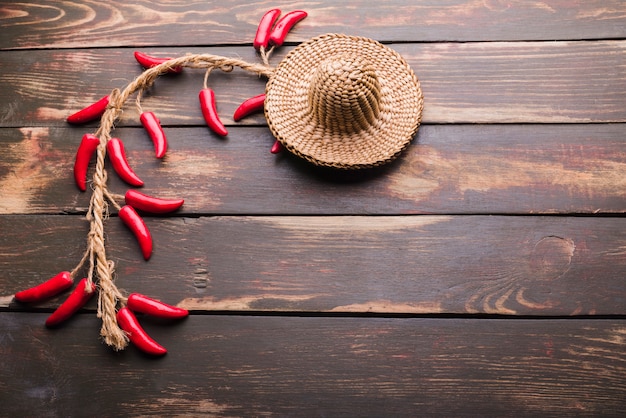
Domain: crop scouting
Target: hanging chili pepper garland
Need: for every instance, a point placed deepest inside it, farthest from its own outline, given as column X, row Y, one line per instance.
column 119, row 322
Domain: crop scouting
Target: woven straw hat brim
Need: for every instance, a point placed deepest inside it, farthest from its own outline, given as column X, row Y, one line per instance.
column 381, row 139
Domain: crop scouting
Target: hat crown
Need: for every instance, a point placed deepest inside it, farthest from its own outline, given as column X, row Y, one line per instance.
column 344, row 94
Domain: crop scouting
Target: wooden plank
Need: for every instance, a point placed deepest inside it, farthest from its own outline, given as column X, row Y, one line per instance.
column 296, row 305
column 257, row 366
column 397, row 264
column 30, row 24
column 495, row 82
column 471, row 169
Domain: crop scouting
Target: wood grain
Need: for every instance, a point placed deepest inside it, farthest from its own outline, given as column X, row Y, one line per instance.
column 495, row 82
column 506, row 169
column 65, row 24
column 390, row 264
column 256, row 366
column 479, row 274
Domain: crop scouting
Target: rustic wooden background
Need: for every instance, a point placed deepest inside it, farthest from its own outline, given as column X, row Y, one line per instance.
column 482, row 273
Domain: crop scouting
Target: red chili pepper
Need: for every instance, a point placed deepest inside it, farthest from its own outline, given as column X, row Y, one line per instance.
column 153, row 127
column 86, row 149
column 284, row 25
column 148, row 61
column 76, row 300
column 47, row 289
column 91, row 112
column 262, row 37
column 117, row 155
column 277, row 147
column 151, row 204
column 209, row 111
column 127, row 321
column 253, row 104
column 135, row 223
column 143, row 304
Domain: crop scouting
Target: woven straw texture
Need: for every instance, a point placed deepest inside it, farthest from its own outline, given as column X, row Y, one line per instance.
column 344, row 101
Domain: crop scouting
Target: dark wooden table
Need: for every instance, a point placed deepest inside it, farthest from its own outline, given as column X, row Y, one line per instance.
column 482, row 273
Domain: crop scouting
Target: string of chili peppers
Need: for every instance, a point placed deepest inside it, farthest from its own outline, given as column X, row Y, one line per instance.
column 119, row 322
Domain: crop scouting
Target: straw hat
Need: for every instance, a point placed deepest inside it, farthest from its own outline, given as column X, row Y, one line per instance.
column 344, row 101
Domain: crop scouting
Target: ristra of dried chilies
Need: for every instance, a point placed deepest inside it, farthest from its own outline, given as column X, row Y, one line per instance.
column 119, row 323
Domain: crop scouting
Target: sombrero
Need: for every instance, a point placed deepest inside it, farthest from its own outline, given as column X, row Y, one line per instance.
column 344, row 101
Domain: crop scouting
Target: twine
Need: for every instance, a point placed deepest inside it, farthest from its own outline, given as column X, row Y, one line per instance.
column 100, row 267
